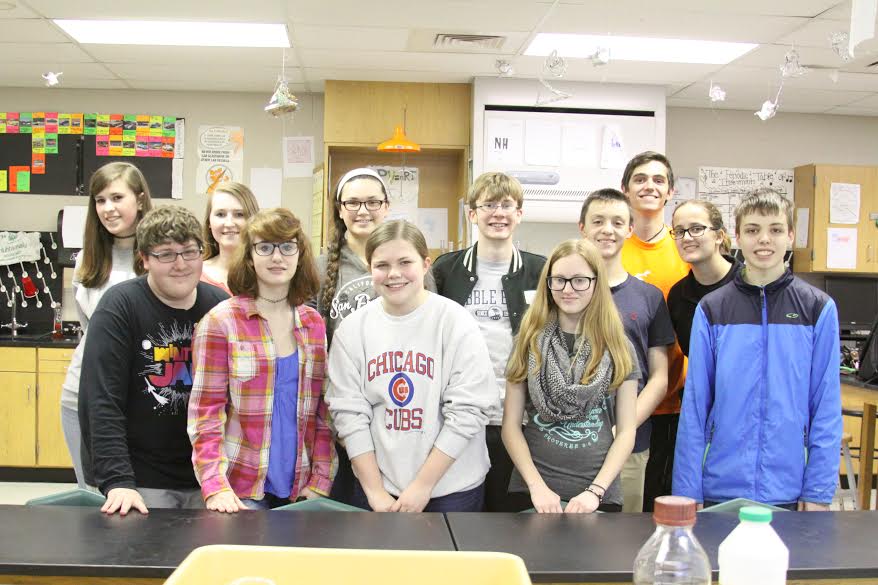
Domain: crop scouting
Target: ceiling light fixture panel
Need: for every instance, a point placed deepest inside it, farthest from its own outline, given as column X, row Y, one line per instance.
column 639, row 48
column 176, row 33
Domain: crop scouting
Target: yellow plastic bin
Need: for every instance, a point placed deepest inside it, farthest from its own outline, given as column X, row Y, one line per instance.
column 75, row 497
column 265, row 565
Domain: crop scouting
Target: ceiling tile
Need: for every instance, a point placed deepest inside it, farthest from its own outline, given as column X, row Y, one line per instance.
column 743, row 106
column 71, row 71
column 805, row 8
column 449, row 15
column 868, row 102
column 773, row 56
column 849, row 111
column 790, row 96
column 324, row 73
column 217, row 10
column 841, row 11
column 72, row 83
column 350, row 37
column 814, row 33
column 230, row 56
column 18, row 11
column 216, row 84
column 260, row 76
column 32, row 30
column 43, row 53
column 814, row 79
column 654, row 20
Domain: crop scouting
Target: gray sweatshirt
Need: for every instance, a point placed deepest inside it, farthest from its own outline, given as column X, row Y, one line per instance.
column 400, row 386
column 354, row 289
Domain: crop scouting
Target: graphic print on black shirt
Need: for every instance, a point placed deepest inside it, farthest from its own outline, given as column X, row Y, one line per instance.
column 167, row 367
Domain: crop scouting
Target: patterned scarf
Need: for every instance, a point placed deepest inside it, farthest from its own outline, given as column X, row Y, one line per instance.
column 555, row 389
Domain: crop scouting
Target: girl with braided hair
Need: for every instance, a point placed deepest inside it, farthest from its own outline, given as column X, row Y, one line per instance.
column 574, row 373
column 361, row 204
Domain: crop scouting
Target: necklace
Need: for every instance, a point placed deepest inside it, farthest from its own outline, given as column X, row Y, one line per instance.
column 655, row 235
column 124, row 237
column 268, row 300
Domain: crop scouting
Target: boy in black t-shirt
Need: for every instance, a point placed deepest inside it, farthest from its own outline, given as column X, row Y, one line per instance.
column 137, row 371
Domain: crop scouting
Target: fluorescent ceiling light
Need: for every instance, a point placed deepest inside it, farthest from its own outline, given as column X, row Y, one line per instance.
column 176, row 33
column 639, row 48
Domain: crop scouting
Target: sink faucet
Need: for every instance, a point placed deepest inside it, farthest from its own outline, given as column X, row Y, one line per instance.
column 14, row 325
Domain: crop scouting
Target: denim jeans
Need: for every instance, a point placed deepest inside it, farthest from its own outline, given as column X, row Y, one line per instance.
column 466, row 501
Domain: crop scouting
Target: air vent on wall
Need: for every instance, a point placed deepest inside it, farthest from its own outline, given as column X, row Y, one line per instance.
column 463, row 41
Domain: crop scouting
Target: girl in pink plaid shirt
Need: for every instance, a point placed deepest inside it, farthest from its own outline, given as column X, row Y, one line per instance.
column 257, row 419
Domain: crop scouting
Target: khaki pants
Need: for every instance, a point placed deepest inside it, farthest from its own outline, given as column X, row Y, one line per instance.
column 632, row 477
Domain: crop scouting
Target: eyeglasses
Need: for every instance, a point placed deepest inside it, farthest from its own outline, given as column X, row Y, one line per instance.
column 371, row 204
column 577, row 283
column 696, row 231
column 492, row 207
column 268, row 248
column 167, row 256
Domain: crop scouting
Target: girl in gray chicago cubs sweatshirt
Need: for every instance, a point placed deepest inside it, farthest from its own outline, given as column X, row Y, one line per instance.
column 404, row 384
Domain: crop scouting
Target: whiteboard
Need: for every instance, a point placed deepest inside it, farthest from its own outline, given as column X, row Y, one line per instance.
column 570, row 146
column 726, row 186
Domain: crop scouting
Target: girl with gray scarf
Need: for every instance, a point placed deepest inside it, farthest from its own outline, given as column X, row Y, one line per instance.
column 573, row 372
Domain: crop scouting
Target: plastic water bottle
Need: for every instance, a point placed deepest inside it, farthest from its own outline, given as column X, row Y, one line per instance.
column 672, row 555
column 753, row 553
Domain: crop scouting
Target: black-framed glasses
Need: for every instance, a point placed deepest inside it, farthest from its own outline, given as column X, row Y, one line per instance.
column 506, row 206
column 696, row 231
column 371, row 204
column 268, row 248
column 168, row 256
column 578, row 283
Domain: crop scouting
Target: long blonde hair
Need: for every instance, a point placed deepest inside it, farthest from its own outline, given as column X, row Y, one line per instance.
column 600, row 322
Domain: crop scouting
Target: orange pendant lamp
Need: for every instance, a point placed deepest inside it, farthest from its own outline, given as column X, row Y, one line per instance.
column 399, row 142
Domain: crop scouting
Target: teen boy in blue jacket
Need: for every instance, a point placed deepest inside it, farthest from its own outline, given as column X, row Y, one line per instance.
column 761, row 414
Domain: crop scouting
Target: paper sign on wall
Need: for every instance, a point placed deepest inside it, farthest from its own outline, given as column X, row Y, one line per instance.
column 433, row 222
column 403, row 186
column 266, row 186
column 220, row 156
column 504, row 143
column 841, row 248
column 73, row 226
column 298, row 156
column 844, row 203
column 803, row 215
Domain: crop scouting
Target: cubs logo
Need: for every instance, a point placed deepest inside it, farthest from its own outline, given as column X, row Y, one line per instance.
column 401, row 389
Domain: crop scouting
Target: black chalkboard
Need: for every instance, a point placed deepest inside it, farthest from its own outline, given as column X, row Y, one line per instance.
column 68, row 172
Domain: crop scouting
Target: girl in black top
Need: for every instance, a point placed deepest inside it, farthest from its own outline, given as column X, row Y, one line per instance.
column 703, row 242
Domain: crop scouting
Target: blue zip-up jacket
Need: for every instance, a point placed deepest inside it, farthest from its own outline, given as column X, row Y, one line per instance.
column 761, row 414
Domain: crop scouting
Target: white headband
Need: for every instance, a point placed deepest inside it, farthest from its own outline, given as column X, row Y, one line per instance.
column 363, row 171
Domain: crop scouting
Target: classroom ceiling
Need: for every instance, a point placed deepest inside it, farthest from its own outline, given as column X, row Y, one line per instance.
column 392, row 40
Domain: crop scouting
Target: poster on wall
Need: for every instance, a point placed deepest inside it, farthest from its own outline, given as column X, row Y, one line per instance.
column 726, row 186
column 402, row 182
column 298, row 156
column 220, row 157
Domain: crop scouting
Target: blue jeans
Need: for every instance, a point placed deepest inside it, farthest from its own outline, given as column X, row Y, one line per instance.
column 467, row 501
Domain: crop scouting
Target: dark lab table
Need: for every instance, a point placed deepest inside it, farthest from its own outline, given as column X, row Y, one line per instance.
column 56, row 541
column 600, row 548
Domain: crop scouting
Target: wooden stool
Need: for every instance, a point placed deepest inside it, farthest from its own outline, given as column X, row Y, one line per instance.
column 867, row 454
column 849, row 468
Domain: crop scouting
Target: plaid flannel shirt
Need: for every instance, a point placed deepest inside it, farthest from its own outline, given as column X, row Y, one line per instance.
column 234, row 363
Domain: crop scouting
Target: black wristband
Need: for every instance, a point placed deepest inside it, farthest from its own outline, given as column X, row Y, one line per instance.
column 600, row 497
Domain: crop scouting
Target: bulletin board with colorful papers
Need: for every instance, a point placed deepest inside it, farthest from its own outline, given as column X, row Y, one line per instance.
column 55, row 153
